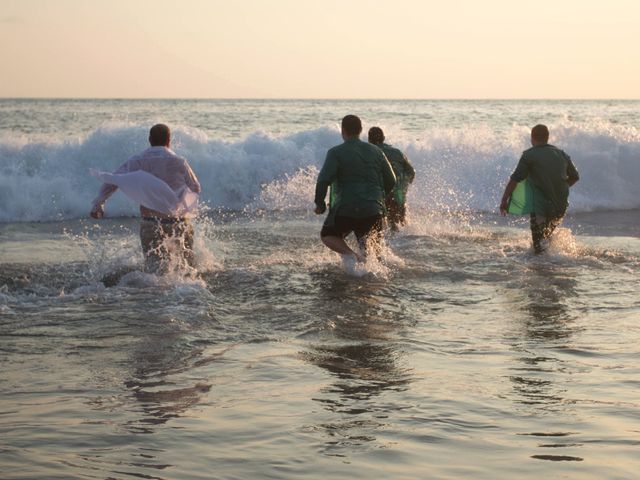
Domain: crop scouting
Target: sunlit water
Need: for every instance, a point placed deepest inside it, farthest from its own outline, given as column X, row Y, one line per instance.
column 459, row 355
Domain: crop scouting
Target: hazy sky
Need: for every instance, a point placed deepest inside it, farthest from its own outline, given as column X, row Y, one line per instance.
column 320, row 48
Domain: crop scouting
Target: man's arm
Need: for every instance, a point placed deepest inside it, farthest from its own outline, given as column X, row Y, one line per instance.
column 519, row 174
column 388, row 177
column 191, row 180
column 325, row 179
column 106, row 190
column 572, row 173
column 410, row 172
column 504, row 204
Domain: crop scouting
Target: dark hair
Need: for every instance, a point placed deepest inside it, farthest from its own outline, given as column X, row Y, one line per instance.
column 540, row 133
column 376, row 135
column 159, row 135
column 351, row 125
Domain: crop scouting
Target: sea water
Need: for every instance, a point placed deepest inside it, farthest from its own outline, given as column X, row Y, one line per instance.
column 459, row 355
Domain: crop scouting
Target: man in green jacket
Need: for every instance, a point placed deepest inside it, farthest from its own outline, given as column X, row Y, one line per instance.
column 360, row 177
column 550, row 173
column 405, row 173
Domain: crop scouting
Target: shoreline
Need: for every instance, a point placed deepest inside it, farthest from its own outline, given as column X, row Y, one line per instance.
column 615, row 222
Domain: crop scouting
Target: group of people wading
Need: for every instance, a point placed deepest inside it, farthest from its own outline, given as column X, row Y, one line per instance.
column 367, row 184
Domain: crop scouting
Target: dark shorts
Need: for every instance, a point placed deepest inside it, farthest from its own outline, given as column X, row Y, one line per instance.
column 362, row 227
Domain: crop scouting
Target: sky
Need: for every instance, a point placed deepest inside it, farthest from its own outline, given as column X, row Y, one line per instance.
column 320, row 49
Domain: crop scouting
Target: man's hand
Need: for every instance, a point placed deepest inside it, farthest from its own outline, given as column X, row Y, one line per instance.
column 319, row 210
column 97, row 211
column 506, row 196
column 504, row 206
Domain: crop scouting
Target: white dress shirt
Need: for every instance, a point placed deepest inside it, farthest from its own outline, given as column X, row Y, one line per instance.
column 162, row 163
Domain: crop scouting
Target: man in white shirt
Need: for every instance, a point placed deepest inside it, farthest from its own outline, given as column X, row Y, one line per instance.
column 165, row 236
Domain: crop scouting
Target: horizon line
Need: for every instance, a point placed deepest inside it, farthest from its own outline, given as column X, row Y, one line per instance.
column 330, row 98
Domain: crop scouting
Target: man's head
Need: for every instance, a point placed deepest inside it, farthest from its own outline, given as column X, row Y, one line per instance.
column 160, row 135
column 539, row 135
column 351, row 127
column 376, row 136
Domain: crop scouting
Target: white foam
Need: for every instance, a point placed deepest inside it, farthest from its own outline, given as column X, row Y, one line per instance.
column 5, row 299
column 457, row 169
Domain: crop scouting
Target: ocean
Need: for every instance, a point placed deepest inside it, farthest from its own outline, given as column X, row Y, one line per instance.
column 459, row 354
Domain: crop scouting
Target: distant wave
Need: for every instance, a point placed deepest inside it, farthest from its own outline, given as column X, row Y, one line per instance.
column 456, row 169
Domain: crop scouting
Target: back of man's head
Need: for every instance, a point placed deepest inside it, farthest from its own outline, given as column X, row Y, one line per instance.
column 376, row 135
column 539, row 134
column 351, row 126
column 159, row 135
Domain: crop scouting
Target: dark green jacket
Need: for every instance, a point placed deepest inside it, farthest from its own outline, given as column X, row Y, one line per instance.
column 548, row 169
column 360, row 177
column 403, row 169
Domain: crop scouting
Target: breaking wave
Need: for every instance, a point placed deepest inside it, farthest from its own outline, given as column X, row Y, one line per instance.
column 457, row 169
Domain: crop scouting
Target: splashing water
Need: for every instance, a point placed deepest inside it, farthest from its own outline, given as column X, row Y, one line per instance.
column 458, row 352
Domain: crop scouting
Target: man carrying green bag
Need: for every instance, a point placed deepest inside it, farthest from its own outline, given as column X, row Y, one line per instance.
column 539, row 186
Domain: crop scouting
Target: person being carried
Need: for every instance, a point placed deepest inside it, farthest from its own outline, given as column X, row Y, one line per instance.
column 166, row 188
column 405, row 173
column 360, row 178
column 550, row 172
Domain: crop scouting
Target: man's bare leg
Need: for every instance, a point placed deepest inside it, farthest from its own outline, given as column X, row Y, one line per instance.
column 338, row 245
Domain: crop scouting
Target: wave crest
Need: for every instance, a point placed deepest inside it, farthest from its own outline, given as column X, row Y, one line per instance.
column 457, row 169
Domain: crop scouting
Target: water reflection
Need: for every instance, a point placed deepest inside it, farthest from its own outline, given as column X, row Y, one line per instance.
column 548, row 293
column 362, row 371
column 547, row 327
column 157, row 384
column 361, row 351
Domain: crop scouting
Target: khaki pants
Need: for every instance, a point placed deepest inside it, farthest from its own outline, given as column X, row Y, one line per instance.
column 541, row 230
column 167, row 246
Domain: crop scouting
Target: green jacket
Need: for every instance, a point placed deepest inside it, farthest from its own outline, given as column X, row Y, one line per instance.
column 548, row 169
column 403, row 169
column 360, row 177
